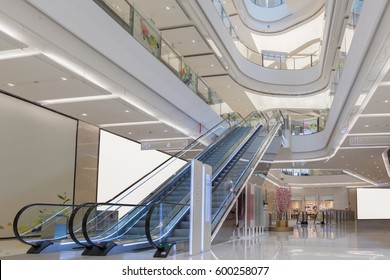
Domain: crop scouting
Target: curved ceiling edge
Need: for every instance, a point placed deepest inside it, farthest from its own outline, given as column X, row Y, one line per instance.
column 270, row 81
column 273, row 28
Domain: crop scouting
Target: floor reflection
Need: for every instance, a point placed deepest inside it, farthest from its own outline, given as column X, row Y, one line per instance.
column 347, row 241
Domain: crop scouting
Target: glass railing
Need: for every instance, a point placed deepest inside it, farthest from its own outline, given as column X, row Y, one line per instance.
column 346, row 43
column 274, row 60
column 144, row 31
column 308, row 126
column 268, row 3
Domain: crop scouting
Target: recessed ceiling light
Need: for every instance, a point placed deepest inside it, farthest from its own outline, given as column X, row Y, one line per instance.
column 167, row 8
column 165, row 130
column 193, row 41
column 127, row 111
column 84, row 115
column 366, row 125
column 64, row 79
column 212, row 65
column 372, row 155
column 386, row 101
column 342, row 156
column 11, row 84
column 130, row 133
column 229, row 86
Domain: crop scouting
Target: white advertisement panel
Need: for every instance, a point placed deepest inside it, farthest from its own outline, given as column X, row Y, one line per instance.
column 373, row 203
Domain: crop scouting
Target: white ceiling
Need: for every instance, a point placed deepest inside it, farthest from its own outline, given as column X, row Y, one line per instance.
column 38, row 78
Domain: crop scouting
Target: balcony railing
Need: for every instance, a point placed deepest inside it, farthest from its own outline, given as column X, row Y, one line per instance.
column 144, row 31
column 274, row 60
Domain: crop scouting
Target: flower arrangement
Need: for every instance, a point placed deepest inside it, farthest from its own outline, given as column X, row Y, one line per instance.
column 282, row 202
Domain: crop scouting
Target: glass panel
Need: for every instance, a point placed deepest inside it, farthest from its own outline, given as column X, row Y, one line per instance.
column 203, row 90
column 170, row 221
column 170, row 57
column 106, row 221
column 121, row 8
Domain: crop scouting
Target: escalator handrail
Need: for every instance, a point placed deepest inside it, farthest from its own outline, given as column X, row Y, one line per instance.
column 86, row 220
column 20, row 212
column 71, row 223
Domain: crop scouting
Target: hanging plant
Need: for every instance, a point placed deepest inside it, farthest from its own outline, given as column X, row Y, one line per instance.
column 282, row 202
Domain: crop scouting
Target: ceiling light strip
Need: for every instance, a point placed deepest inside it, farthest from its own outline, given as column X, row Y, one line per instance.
column 130, row 124
column 18, row 53
column 359, row 177
column 164, row 139
column 76, row 99
column 375, row 115
column 370, row 134
column 362, row 147
column 325, row 184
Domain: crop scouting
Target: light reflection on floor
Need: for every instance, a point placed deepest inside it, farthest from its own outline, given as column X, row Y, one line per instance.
column 349, row 241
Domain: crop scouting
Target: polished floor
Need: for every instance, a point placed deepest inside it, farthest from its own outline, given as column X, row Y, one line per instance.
column 358, row 240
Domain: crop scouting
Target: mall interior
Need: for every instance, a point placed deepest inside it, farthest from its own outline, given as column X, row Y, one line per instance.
column 195, row 129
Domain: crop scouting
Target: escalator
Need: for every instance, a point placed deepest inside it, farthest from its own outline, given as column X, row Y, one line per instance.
column 52, row 227
column 116, row 226
column 166, row 211
column 169, row 222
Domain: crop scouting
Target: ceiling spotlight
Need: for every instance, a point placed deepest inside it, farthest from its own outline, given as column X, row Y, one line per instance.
column 167, row 8
column 127, row 111
column 84, row 115
column 11, row 84
column 193, row 41
column 64, row 79
column 366, row 125
column 130, row 133
column 386, row 101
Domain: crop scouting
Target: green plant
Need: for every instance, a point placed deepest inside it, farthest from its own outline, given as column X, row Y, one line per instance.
column 64, row 198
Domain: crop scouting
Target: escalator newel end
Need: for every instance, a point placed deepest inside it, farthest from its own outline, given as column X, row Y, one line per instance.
column 39, row 247
column 164, row 249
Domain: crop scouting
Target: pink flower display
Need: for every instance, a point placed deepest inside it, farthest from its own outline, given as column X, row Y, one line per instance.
column 282, row 201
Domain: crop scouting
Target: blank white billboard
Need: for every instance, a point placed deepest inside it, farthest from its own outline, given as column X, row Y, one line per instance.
column 122, row 162
column 373, row 203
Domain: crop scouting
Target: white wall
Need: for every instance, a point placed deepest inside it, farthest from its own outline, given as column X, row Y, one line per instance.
column 122, row 162
column 37, row 157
